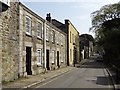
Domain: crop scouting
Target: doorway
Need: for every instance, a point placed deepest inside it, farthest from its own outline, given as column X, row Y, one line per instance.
column 58, row 59
column 47, row 60
column 28, row 61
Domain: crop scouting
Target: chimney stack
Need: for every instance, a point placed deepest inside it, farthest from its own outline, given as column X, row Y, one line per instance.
column 48, row 18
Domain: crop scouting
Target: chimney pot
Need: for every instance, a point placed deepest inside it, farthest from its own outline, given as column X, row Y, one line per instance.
column 48, row 18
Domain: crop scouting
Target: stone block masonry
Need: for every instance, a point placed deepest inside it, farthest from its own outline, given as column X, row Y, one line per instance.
column 9, row 42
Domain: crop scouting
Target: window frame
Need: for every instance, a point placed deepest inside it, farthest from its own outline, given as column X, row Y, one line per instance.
column 53, row 36
column 39, row 57
column 39, row 30
column 47, row 33
column 28, row 25
column 53, row 57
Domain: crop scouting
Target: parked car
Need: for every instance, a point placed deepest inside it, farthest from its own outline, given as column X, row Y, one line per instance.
column 99, row 58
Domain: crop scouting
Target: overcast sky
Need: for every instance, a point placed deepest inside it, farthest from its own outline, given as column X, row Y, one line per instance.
column 77, row 11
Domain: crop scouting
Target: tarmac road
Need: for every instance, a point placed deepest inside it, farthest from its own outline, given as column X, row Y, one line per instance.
column 91, row 74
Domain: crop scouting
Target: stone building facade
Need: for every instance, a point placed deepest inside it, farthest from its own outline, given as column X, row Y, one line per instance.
column 29, row 44
column 33, row 30
column 9, row 37
column 56, row 49
column 73, row 49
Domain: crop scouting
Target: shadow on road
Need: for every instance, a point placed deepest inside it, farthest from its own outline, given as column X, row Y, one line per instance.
column 103, row 80
column 92, row 64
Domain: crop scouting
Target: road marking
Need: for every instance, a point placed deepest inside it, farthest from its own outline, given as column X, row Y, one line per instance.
column 108, row 78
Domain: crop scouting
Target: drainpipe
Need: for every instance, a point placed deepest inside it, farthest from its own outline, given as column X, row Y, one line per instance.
column 0, row 52
column 44, row 43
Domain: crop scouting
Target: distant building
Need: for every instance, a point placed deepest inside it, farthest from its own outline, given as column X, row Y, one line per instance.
column 72, row 41
column 86, row 46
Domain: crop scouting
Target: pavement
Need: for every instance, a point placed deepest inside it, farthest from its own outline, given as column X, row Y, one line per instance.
column 32, row 80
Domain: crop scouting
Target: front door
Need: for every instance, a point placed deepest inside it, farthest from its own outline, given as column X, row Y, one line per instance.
column 28, row 61
column 58, row 59
column 74, row 57
column 47, row 59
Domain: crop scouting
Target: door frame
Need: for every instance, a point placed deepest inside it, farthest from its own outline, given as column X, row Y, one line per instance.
column 47, row 60
column 28, row 61
column 58, row 61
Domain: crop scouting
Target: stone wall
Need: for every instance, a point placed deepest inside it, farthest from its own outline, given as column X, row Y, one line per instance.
column 10, row 42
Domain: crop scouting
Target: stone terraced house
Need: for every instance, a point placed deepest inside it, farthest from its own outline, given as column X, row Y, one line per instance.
column 9, row 42
column 30, row 44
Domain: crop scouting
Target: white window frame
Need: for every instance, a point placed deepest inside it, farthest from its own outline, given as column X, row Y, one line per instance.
column 47, row 33
column 57, row 37
column 53, row 56
column 39, row 57
column 28, row 25
column 53, row 36
column 62, row 57
column 39, row 30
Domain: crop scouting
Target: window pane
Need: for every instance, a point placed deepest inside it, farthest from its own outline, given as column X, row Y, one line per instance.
column 40, row 56
column 40, row 30
column 53, row 56
column 28, row 24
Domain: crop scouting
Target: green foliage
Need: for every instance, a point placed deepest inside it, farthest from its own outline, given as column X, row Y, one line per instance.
column 106, row 25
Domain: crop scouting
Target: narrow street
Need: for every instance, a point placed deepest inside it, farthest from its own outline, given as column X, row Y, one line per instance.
column 91, row 74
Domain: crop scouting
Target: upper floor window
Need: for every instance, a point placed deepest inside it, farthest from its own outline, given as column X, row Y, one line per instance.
column 28, row 25
column 40, row 30
column 62, row 39
column 70, row 37
column 47, row 33
column 73, row 38
column 57, row 37
column 53, row 36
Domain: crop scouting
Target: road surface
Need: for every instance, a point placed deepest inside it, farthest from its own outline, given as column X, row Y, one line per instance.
column 91, row 74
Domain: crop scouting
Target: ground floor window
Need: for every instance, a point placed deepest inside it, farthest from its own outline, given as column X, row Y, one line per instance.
column 40, row 56
column 53, row 56
column 62, row 57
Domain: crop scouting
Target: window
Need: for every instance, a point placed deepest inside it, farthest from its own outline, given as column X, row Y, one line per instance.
column 57, row 37
column 53, row 56
column 70, row 37
column 73, row 38
column 28, row 25
column 39, row 57
column 62, row 57
column 40, row 30
column 70, row 54
column 53, row 36
column 47, row 33
column 61, row 39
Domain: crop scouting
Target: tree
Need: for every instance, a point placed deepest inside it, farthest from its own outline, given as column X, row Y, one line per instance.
column 106, row 25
